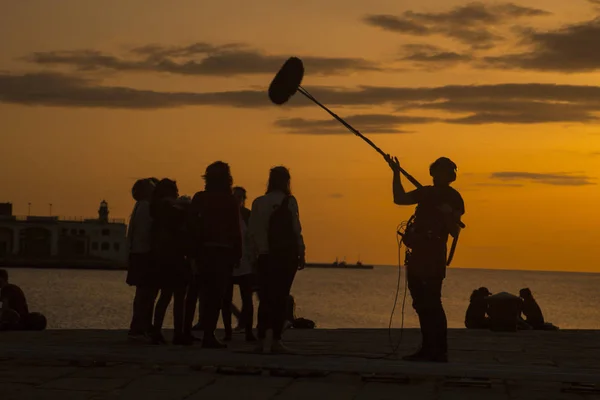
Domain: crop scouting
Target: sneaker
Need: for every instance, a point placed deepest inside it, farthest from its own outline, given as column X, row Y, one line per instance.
column 287, row 325
column 421, row 355
column 440, row 358
column 260, row 346
column 212, row 343
column 196, row 338
column 183, row 340
column 137, row 337
column 158, row 338
column 427, row 356
column 278, row 348
column 197, row 327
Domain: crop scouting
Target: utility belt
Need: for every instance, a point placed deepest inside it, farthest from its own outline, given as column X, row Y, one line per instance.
column 415, row 237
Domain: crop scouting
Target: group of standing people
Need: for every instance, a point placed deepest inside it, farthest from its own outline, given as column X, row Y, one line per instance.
column 193, row 252
column 191, row 248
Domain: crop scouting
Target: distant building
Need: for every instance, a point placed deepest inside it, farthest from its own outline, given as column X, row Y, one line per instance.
column 62, row 242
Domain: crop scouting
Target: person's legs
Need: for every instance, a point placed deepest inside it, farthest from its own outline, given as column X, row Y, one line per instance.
column 191, row 298
column 135, row 328
column 226, row 309
column 217, row 270
column 198, row 326
column 283, row 281
column 416, row 289
column 148, row 297
column 245, row 285
column 443, row 332
column 212, row 309
column 10, row 320
column 437, row 316
column 138, row 265
column 142, row 272
column 264, row 296
column 159, row 313
column 236, row 312
column 178, row 316
column 427, row 302
column 207, row 293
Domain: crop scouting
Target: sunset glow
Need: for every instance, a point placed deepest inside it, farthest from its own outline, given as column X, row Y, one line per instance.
column 94, row 95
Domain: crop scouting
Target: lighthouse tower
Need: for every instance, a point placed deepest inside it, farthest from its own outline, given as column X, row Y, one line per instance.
column 103, row 212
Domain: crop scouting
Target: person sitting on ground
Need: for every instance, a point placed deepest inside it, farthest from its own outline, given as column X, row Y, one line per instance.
column 14, row 311
column 476, row 317
column 532, row 312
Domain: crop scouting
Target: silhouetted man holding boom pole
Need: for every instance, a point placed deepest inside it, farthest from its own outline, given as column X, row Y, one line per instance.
column 437, row 215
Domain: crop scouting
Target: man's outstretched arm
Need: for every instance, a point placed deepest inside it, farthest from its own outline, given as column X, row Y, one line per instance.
column 401, row 197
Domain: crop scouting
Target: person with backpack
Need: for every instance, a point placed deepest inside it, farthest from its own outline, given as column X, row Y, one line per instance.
column 275, row 236
column 216, row 236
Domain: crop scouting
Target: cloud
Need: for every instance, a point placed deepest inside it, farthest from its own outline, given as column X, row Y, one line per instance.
column 474, row 104
column 369, row 123
column 53, row 89
column 196, row 59
column 469, row 24
column 557, row 178
column 160, row 51
column 485, row 111
column 493, row 184
column 570, row 49
column 429, row 55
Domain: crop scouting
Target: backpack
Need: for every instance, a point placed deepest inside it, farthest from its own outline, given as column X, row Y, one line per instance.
column 303, row 323
column 281, row 235
column 194, row 228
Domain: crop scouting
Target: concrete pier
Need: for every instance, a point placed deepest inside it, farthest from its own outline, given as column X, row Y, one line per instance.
column 330, row 364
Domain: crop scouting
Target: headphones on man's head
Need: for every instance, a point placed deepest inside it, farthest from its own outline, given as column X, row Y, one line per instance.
column 443, row 164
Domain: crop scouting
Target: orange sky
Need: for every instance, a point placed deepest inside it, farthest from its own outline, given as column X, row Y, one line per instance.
column 64, row 147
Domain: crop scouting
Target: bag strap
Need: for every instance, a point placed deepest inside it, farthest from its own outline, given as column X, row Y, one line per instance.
column 452, row 249
column 132, row 225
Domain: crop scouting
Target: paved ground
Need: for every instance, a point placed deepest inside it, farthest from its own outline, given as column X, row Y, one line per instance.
column 332, row 364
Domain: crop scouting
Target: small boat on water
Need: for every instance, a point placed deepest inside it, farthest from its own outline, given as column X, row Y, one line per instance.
column 340, row 265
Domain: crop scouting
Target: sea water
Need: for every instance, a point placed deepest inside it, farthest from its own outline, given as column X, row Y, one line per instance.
column 333, row 298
